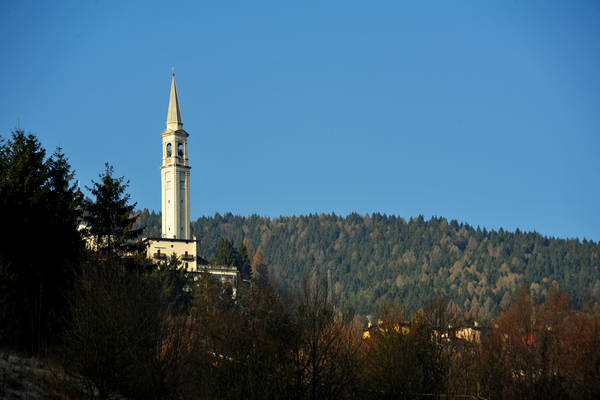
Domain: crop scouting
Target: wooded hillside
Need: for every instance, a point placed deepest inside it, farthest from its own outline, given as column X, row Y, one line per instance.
column 377, row 257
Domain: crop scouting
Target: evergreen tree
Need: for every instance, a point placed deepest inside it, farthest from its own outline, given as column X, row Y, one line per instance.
column 40, row 245
column 176, row 283
column 109, row 218
column 243, row 263
column 226, row 253
column 249, row 249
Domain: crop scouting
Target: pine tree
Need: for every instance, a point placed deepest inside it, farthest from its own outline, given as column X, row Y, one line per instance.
column 109, row 218
column 40, row 211
column 244, row 266
column 226, row 254
column 177, row 284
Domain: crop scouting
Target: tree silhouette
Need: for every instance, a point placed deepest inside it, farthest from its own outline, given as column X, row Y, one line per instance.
column 40, row 210
column 109, row 216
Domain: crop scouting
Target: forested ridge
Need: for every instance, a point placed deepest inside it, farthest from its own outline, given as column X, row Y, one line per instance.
column 377, row 257
column 103, row 321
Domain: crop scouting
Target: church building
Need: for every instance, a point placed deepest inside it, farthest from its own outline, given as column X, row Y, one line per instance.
column 175, row 192
column 176, row 238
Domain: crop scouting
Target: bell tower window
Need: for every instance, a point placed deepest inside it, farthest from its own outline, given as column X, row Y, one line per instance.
column 169, row 150
column 180, row 150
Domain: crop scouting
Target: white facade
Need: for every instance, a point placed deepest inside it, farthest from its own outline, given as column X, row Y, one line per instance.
column 176, row 237
column 175, row 174
column 159, row 249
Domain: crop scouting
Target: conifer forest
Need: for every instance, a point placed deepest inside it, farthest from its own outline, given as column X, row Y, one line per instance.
column 326, row 307
column 375, row 259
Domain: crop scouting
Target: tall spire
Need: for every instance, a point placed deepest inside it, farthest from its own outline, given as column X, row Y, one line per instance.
column 174, row 115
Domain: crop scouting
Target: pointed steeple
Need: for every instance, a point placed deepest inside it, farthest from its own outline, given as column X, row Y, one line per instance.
column 174, row 115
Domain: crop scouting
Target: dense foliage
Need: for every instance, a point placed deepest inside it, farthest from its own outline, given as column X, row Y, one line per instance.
column 42, row 240
column 108, row 215
column 40, row 246
column 123, row 327
column 227, row 254
column 127, row 338
column 376, row 257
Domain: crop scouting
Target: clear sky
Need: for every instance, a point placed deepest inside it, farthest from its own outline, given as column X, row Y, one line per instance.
column 486, row 112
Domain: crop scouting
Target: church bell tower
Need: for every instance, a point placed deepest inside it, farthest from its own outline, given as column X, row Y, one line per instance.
column 176, row 238
column 175, row 174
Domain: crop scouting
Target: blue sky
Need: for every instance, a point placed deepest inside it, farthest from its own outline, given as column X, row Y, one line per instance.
column 485, row 112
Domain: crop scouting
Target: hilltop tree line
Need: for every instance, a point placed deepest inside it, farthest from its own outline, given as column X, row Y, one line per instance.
column 123, row 327
column 377, row 258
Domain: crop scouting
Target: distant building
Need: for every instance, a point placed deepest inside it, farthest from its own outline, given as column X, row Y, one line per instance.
column 465, row 333
column 175, row 193
column 185, row 250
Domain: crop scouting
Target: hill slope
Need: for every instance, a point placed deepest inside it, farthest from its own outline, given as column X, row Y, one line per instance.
column 376, row 257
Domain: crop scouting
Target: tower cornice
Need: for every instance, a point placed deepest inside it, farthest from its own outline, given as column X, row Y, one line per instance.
column 170, row 132
column 176, row 166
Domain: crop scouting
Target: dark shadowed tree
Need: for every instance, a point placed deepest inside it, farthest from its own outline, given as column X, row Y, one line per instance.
column 126, row 334
column 109, row 216
column 177, row 283
column 40, row 245
column 226, row 254
column 405, row 362
column 243, row 262
column 324, row 356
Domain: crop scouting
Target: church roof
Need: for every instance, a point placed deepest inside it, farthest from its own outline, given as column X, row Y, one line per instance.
column 174, row 115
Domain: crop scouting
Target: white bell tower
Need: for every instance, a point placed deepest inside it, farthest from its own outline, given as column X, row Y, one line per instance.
column 175, row 174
